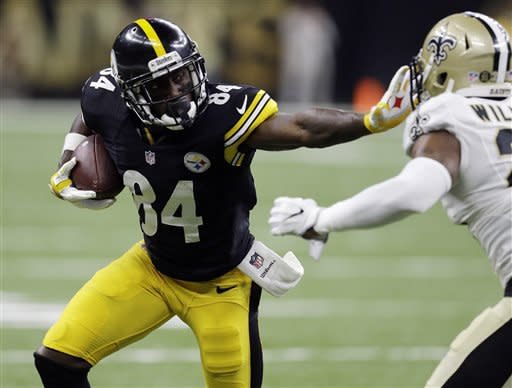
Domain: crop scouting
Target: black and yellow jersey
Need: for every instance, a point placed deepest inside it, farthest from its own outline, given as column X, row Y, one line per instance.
column 193, row 189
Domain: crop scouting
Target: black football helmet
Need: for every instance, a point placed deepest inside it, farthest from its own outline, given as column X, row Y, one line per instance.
column 148, row 57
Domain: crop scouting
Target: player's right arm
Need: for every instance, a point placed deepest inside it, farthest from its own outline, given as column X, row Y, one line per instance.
column 318, row 127
column 77, row 133
column 422, row 182
column 61, row 184
column 97, row 96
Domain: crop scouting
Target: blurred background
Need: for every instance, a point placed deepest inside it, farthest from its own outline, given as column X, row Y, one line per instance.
column 382, row 305
column 298, row 50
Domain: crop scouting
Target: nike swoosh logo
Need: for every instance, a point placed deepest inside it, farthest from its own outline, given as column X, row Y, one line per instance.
column 221, row 290
column 241, row 110
column 296, row 214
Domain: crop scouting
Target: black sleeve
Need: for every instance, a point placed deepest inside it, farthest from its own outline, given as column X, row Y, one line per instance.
column 251, row 106
column 101, row 102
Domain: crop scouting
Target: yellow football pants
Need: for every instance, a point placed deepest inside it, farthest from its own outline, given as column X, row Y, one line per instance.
column 129, row 298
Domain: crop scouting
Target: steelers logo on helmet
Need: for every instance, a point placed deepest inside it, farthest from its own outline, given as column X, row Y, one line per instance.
column 161, row 73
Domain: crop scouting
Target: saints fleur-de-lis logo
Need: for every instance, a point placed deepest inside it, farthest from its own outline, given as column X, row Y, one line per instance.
column 439, row 44
column 417, row 128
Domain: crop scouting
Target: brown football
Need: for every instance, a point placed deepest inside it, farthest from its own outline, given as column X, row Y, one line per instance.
column 95, row 170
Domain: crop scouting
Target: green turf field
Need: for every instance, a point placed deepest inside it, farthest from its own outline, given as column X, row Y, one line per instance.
column 378, row 310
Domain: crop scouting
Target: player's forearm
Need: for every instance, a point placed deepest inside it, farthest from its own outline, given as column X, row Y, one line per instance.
column 361, row 211
column 326, row 127
column 314, row 128
column 77, row 133
column 416, row 189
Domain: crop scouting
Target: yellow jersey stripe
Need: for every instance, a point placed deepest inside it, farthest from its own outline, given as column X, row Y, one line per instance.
column 243, row 126
column 237, row 160
column 264, row 109
column 152, row 36
column 245, row 116
column 149, row 136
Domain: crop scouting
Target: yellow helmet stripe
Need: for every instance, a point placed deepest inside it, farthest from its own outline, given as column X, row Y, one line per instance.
column 152, row 36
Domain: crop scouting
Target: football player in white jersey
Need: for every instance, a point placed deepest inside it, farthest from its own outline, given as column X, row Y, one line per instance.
column 459, row 138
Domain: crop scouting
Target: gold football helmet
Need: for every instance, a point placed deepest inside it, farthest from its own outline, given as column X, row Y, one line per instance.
column 466, row 52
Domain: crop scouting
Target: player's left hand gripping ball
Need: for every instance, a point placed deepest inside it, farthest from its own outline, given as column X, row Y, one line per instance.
column 394, row 106
column 62, row 186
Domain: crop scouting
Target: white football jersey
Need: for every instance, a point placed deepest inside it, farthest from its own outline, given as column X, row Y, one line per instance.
column 482, row 197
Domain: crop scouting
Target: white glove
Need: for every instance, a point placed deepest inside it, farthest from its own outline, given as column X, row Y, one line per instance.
column 316, row 248
column 273, row 273
column 293, row 215
column 62, row 186
column 394, row 106
column 297, row 216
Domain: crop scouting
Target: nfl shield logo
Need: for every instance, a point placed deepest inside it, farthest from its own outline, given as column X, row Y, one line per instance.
column 256, row 260
column 473, row 76
column 150, row 157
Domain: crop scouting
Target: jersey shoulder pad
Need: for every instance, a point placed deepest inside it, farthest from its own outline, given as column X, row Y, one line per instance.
column 100, row 99
column 438, row 113
column 248, row 108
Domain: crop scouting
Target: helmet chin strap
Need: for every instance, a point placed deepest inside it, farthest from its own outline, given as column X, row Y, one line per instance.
column 178, row 123
column 169, row 123
column 191, row 113
column 186, row 111
column 178, row 114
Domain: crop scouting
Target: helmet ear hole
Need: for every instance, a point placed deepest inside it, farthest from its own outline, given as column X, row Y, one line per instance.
column 441, row 78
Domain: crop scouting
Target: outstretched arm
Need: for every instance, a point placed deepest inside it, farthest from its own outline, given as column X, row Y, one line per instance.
column 314, row 128
column 423, row 181
column 319, row 127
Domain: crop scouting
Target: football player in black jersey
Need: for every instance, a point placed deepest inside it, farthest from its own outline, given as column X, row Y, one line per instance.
column 183, row 146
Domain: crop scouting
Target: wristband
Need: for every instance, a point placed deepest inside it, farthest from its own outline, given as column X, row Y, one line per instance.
column 71, row 141
column 367, row 123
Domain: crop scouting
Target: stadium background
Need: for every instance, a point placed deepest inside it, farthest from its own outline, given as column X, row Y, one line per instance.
column 378, row 310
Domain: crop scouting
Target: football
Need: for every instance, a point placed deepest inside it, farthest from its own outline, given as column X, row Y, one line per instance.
column 95, row 170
